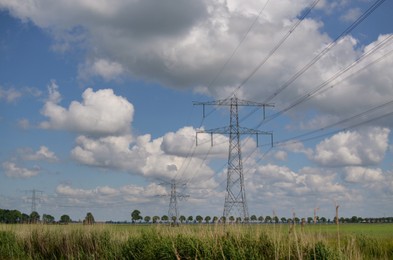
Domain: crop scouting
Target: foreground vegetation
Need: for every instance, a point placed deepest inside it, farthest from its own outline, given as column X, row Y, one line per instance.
column 254, row 241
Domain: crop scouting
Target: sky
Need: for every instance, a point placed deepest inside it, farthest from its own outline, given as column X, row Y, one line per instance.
column 97, row 109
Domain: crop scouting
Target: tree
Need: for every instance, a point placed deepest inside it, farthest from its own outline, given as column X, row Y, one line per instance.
column 323, row 219
column 207, row 219
column 310, row 220
column 190, row 218
column 89, row 219
column 283, row 220
column 156, row 219
column 354, row 219
column 253, row 218
column 25, row 218
column 199, row 219
column 223, row 219
column 135, row 215
column 215, row 219
column 48, row 219
column 165, row 218
column 182, row 218
column 268, row 219
column 10, row 216
column 65, row 219
column 260, row 219
column 275, row 218
column 231, row 218
column 147, row 219
column 34, row 217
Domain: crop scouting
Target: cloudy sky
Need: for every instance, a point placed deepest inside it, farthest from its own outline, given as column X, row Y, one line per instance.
column 97, row 114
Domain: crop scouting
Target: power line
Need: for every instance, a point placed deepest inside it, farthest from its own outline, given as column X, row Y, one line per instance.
column 238, row 46
column 312, row 93
column 287, row 142
column 326, row 49
column 276, row 47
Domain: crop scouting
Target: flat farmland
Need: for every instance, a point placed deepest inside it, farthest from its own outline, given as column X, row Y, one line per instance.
column 204, row 241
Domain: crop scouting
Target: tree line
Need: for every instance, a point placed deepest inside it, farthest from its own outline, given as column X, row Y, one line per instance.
column 136, row 217
column 15, row 216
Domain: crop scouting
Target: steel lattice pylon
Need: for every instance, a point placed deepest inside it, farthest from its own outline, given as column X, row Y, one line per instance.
column 173, row 212
column 235, row 198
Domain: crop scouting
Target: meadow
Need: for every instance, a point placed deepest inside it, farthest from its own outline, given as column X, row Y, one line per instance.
column 159, row 241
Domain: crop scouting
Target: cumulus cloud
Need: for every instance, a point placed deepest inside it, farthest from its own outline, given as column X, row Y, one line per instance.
column 363, row 175
column 184, row 143
column 11, row 169
column 302, row 189
column 356, row 148
column 100, row 113
column 43, row 153
column 184, row 45
column 108, row 70
column 142, row 156
column 281, row 155
column 104, row 195
column 351, row 15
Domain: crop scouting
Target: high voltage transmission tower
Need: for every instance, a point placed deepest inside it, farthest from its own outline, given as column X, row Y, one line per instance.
column 235, row 198
column 34, row 198
column 173, row 212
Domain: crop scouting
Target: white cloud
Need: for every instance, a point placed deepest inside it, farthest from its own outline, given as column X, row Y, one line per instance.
column 363, row 175
column 10, row 95
column 24, row 123
column 105, row 195
column 356, row 148
column 183, row 143
column 184, row 45
column 281, row 155
column 43, row 153
column 11, row 169
column 301, row 190
column 108, row 70
column 142, row 156
column 351, row 15
column 100, row 113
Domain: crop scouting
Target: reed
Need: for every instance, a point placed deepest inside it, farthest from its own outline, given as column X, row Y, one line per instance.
column 252, row 241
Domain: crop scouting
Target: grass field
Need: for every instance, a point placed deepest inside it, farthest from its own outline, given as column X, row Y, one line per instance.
column 254, row 241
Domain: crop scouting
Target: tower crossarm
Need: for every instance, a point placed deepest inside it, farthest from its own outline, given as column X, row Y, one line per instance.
column 235, row 198
column 231, row 102
column 239, row 130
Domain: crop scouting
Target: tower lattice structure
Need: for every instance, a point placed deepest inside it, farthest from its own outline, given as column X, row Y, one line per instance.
column 34, row 198
column 235, row 198
column 173, row 211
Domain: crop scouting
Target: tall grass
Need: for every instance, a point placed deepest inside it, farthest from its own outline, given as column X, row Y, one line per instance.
column 190, row 242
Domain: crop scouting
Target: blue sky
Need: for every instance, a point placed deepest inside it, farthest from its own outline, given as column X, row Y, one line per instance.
column 96, row 106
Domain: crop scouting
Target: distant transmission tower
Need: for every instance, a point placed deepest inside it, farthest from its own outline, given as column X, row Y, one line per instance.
column 235, row 198
column 173, row 212
column 34, row 198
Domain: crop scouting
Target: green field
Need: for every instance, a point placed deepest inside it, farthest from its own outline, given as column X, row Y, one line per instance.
column 254, row 241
